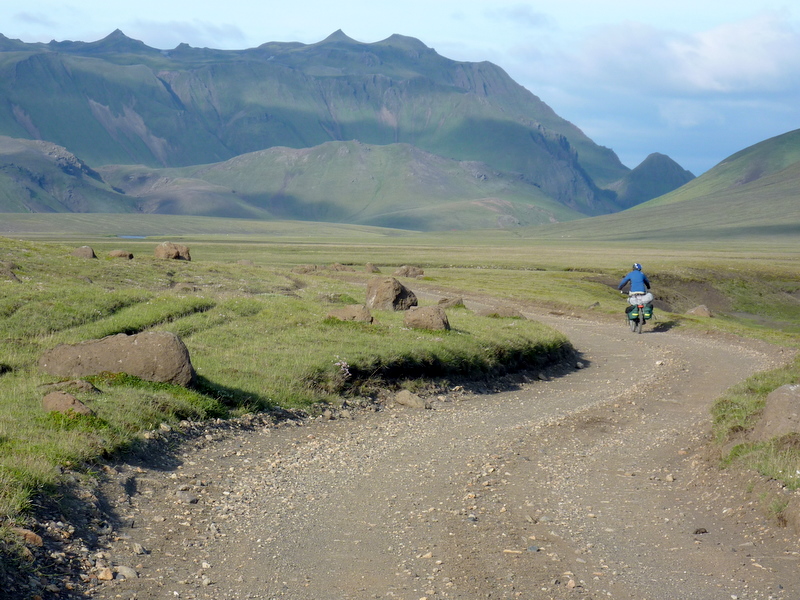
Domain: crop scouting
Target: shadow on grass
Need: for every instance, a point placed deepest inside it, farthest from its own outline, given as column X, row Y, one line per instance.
column 232, row 397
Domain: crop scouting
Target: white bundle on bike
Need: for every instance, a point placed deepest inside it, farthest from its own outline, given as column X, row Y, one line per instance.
column 636, row 299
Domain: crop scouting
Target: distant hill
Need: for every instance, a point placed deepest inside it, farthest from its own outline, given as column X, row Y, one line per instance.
column 657, row 175
column 395, row 186
column 38, row 176
column 750, row 195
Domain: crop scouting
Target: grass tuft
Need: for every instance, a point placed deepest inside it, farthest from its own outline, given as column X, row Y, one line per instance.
column 737, row 412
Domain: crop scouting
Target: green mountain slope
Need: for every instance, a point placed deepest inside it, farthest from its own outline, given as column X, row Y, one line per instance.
column 394, row 186
column 397, row 186
column 43, row 177
column 752, row 195
column 736, row 173
column 117, row 101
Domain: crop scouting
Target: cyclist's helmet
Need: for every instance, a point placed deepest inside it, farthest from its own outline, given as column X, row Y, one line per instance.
column 637, row 267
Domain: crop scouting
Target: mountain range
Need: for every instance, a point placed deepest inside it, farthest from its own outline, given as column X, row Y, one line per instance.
column 388, row 133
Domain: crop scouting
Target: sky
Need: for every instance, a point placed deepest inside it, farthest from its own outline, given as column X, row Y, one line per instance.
column 696, row 80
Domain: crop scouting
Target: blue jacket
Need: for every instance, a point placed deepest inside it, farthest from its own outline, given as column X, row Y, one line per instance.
column 638, row 280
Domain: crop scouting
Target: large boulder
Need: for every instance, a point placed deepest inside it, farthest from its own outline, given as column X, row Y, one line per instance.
column 409, row 271
column 781, row 414
column 170, row 251
column 84, row 252
column 386, row 293
column 352, row 312
column 158, row 356
column 426, row 317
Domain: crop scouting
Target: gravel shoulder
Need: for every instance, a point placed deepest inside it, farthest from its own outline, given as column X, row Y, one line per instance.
column 590, row 484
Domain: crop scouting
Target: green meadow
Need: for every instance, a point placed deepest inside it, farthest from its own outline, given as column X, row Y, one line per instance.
column 257, row 329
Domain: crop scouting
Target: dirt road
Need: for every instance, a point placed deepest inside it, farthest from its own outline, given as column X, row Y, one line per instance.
column 587, row 485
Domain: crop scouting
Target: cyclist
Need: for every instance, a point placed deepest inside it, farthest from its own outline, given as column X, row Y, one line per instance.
column 638, row 293
column 638, row 280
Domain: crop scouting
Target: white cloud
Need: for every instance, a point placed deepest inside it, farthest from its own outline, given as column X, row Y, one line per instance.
column 759, row 54
column 698, row 96
column 762, row 53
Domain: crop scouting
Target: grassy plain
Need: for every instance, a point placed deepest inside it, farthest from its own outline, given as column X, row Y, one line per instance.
column 258, row 333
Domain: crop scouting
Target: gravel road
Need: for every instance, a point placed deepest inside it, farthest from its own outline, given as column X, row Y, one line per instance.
column 592, row 484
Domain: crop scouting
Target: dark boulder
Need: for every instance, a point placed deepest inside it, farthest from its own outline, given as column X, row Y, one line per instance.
column 84, row 252
column 781, row 415
column 427, row 317
column 409, row 271
column 153, row 356
column 170, row 251
column 386, row 293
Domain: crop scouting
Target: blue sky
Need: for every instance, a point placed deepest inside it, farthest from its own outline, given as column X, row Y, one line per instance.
column 697, row 80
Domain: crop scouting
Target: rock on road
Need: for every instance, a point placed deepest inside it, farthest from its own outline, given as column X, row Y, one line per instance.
column 591, row 484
